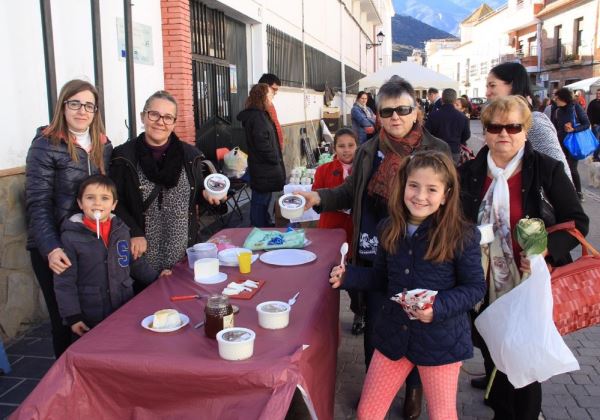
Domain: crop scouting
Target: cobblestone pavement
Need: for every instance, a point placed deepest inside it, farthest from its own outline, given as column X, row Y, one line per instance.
column 568, row 396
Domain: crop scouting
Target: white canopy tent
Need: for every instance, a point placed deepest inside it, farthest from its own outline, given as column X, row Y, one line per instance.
column 586, row 84
column 419, row 77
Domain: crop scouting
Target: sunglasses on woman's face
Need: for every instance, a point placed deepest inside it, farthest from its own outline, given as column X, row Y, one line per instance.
column 400, row 110
column 510, row 128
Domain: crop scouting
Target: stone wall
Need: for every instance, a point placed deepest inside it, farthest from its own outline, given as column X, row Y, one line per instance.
column 21, row 301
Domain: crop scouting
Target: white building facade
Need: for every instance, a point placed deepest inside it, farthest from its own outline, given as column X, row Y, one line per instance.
column 557, row 42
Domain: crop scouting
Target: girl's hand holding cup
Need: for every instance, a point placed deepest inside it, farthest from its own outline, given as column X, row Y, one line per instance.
column 336, row 277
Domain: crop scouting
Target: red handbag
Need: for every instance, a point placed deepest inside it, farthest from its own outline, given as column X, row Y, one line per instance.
column 576, row 286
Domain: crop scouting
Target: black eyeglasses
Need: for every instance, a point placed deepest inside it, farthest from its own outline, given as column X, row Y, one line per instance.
column 400, row 110
column 510, row 128
column 76, row 105
column 154, row 116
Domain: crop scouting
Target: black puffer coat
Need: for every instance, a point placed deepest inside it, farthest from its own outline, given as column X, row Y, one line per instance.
column 52, row 181
column 265, row 160
column 460, row 285
column 123, row 171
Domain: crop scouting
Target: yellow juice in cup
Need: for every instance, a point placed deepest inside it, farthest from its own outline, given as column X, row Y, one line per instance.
column 245, row 262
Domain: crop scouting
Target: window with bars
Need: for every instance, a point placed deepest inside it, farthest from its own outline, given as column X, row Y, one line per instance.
column 483, row 68
column 207, row 30
column 210, row 70
column 352, row 78
column 285, row 60
column 473, row 70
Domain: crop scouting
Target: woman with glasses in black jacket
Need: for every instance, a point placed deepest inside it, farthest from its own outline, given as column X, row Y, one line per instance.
column 71, row 148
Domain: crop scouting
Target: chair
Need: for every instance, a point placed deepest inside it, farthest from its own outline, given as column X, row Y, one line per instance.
column 237, row 196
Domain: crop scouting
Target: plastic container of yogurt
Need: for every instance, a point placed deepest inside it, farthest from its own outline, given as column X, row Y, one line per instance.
column 273, row 315
column 217, row 185
column 236, row 343
column 292, row 206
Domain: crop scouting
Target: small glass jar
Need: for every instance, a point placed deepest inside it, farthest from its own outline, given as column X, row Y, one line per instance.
column 219, row 315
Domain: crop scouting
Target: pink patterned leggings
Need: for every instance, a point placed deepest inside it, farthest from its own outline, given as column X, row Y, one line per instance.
column 385, row 377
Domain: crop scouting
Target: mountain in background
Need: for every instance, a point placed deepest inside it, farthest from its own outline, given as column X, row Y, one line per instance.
column 442, row 14
column 409, row 33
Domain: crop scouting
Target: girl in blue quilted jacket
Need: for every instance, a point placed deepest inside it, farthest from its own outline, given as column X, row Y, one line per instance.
column 425, row 244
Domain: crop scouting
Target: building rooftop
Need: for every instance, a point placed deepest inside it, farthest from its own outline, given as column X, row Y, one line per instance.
column 480, row 12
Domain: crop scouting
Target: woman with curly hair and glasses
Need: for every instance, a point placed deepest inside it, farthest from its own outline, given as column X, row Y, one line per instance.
column 265, row 160
column 71, row 148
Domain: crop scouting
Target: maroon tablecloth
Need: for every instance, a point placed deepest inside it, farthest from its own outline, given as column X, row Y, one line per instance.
column 121, row 370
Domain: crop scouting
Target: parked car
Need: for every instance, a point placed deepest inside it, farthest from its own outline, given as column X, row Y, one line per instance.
column 476, row 105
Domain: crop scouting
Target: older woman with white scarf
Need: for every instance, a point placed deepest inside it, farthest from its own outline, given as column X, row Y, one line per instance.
column 506, row 182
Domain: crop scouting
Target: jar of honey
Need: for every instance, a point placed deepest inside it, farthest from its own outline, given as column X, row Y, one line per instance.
column 219, row 315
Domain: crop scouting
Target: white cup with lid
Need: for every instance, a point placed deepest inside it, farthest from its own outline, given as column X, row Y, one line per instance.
column 217, row 185
column 292, row 206
column 273, row 315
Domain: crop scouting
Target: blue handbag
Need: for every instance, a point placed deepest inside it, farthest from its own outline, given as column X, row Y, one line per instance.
column 580, row 144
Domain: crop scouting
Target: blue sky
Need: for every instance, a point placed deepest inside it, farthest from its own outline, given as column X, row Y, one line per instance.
column 441, row 14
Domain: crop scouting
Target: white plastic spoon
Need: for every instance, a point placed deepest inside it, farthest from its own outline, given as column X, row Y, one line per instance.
column 97, row 216
column 343, row 251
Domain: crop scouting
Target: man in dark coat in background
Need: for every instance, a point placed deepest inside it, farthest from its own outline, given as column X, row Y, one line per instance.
column 449, row 124
column 435, row 102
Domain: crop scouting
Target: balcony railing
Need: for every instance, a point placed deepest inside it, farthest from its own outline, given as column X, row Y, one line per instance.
column 554, row 55
column 565, row 54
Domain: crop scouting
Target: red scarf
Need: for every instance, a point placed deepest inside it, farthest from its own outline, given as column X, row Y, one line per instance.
column 273, row 114
column 104, row 228
column 395, row 149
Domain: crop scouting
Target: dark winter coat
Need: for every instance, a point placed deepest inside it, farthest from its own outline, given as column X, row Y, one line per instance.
column 460, row 285
column 98, row 281
column 541, row 175
column 349, row 195
column 52, row 181
column 360, row 121
column 265, row 160
column 123, row 171
column 450, row 125
column 593, row 112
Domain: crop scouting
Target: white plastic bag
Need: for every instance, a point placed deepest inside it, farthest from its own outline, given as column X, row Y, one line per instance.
column 520, row 333
column 235, row 163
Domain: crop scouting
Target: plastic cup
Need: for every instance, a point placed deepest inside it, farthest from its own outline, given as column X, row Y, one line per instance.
column 193, row 255
column 206, row 250
column 245, row 262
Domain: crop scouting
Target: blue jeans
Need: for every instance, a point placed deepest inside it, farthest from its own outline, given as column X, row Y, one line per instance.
column 259, row 209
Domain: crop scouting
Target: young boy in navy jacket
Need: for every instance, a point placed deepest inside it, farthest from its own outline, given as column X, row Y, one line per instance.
column 97, row 243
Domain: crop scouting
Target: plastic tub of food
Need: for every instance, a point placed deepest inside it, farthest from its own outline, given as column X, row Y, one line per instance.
column 216, row 185
column 273, row 315
column 292, row 206
column 236, row 343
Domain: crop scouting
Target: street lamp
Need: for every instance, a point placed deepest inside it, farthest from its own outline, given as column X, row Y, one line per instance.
column 380, row 37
